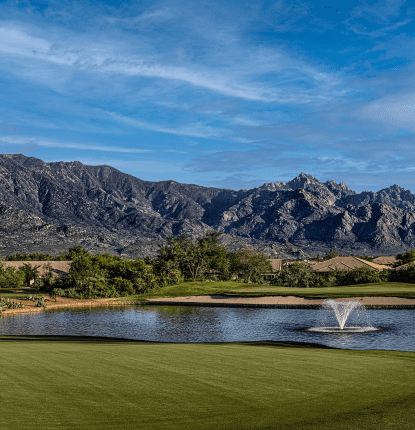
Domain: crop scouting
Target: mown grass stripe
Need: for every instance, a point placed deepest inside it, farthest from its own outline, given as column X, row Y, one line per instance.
column 100, row 385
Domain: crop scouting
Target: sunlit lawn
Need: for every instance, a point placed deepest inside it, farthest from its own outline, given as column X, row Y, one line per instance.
column 232, row 288
column 18, row 294
column 101, row 384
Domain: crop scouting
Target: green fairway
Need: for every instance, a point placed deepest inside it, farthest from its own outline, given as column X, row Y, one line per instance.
column 387, row 289
column 102, row 384
column 231, row 288
column 19, row 294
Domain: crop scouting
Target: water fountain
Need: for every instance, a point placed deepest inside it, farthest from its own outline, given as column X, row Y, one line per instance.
column 332, row 311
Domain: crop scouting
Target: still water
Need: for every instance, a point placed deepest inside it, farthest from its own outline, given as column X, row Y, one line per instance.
column 210, row 324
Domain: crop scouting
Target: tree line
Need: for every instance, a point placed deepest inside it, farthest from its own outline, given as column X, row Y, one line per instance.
column 301, row 275
column 13, row 278
column 179, row 258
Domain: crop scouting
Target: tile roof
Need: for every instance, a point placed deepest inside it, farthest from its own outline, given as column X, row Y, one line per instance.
column 58, row 267
column 346, row 263
column 385, row 259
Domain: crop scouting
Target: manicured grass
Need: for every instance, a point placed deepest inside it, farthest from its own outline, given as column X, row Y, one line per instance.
column 386, row 289
column 231, row 288
column 104, row 384
column 12, row 294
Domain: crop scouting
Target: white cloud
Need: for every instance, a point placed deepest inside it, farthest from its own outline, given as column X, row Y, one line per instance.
column 143, row 19
column 392, row 112
column 141, row 57
column 39, row 141
column 194, row 129
column 15, row 41
column 379, row 18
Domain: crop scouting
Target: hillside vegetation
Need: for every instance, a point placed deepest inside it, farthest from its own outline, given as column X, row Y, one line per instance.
column 66, row 204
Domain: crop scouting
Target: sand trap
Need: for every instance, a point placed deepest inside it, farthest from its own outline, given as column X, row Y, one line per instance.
column 283, row 300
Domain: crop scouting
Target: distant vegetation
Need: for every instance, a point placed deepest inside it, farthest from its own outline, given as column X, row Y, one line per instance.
column 300, row 275
column 182, row 258
column 37, row 256
column 16, row 279
column 407, row 258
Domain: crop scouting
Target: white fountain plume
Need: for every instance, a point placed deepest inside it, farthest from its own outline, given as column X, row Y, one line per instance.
column 342, row 310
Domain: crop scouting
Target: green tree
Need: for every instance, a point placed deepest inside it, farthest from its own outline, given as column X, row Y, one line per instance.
column 408, row 257
column 296, row 275
column 251, row 264
column 105, row 275
column 29, row 273
column 331, row 254
column 360, row 275
column 10, row 278
column 75, row 252
column 191, row 256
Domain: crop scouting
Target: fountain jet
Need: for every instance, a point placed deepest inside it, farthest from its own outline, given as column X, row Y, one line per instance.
column 342, row 310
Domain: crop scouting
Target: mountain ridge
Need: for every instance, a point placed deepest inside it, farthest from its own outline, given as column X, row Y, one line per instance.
column 308, row 215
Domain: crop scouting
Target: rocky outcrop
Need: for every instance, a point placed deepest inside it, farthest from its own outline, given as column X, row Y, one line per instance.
column 116, row 211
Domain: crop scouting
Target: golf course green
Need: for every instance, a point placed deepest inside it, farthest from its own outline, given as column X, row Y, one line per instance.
column 96, row 383
column 240, row 289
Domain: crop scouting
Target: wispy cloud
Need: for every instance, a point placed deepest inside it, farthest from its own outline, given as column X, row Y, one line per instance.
column 235, row 80
column 40, row 142
column 262, row 89
column 100, row 59
column 378, row 19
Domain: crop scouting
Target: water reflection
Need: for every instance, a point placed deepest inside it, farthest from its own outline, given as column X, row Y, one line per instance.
column 210, row 324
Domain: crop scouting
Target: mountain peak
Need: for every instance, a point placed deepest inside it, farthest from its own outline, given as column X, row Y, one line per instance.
column 102, row 200
column 303, row 179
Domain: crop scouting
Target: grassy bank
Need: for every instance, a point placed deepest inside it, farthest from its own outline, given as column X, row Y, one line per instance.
column 102, row 384
column 231, row 288
column 18, row 294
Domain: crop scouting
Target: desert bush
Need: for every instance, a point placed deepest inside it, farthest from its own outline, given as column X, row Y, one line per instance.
column 6, row 302
column 300, row 275
column 403, row 275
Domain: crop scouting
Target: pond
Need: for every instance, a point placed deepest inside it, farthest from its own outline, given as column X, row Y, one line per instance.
column 214, row 324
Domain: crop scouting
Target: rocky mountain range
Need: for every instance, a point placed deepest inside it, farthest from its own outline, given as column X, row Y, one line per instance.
column 49, row 207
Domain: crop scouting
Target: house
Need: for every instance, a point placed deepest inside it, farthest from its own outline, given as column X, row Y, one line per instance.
column 59, row 268
column 276, row 264
column 387, row 260
column 347, row 263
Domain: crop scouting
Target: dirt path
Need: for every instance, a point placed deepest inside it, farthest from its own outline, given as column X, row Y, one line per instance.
column 284, row 300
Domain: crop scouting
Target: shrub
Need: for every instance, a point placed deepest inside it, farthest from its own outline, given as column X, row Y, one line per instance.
column 299, row 275
column 122, row 287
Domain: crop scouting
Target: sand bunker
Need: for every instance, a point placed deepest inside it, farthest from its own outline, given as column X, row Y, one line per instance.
column 284, row 300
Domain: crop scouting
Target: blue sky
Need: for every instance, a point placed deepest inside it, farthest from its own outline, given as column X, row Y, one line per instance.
column 227, row 94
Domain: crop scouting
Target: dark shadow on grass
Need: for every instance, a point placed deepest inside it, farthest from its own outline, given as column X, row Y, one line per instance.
column 285, row 344
column 95, row 339
column 79, row 339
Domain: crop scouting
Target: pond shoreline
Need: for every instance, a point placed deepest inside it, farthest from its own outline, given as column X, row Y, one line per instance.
column 271, row 302
column 283, row 302
column 270, row 306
